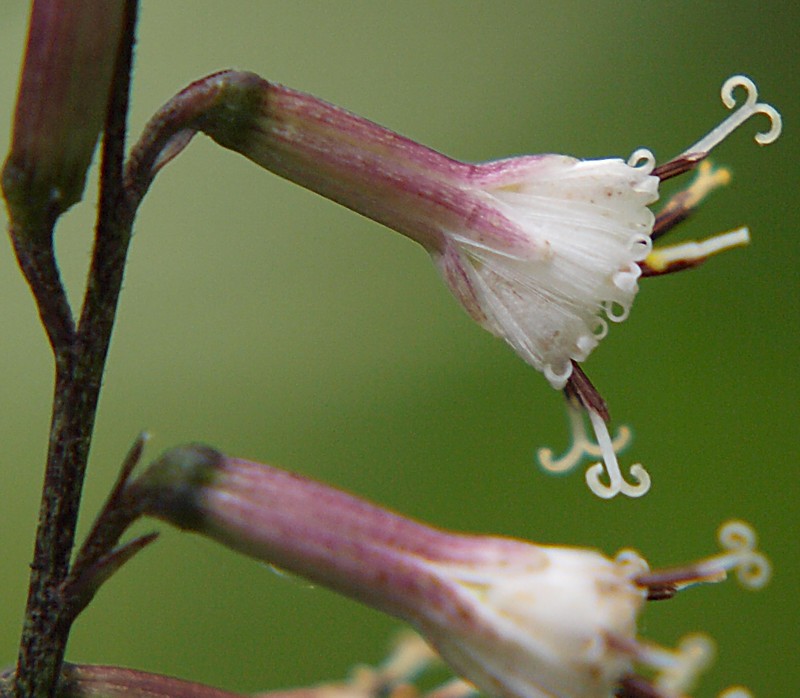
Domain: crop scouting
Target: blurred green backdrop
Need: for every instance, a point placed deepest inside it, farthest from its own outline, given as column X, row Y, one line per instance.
column 275, row 325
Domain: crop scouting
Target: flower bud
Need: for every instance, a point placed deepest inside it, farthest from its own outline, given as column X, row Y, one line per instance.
column 61, row 105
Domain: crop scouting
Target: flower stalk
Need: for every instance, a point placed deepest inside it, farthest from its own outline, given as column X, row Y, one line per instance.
column 61, row 106
column 75, row 83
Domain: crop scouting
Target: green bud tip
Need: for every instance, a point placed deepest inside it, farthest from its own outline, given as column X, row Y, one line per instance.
column 170, row 488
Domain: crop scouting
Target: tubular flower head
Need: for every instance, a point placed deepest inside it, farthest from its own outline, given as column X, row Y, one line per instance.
column 518, row 620
column 543, row 251
column 588, row 226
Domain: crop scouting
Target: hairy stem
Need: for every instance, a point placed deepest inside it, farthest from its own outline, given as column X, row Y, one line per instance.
column 38, row 265
column 80, row 362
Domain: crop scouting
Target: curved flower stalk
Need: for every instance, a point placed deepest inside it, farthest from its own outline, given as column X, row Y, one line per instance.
column 542, row 250
column 518, row 620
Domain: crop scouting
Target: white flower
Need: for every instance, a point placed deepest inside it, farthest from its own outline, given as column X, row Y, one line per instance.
column 545, row 626
column 517, row 619
column 588, row 226
column 541, row 250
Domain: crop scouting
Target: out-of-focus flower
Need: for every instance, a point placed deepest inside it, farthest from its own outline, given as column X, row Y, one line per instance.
column 736, row 692
column 395, row 677
column 541, row 250
column 518, row 620
column 99, row 681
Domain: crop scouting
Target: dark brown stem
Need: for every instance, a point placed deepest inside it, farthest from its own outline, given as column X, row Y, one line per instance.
column 114, row 517
column 99, row 557
column 38, row 265
column 79, row 368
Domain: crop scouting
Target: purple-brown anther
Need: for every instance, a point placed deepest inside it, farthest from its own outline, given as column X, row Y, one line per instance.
column 518, row 620
column 61, row 106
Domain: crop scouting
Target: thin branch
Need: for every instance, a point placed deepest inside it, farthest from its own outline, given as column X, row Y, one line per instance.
column 78, row 378
column 113, row 518
column 81, row 587
column 113, row 230
column 39, row 267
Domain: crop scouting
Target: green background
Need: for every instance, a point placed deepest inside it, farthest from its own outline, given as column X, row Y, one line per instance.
column 275, row 325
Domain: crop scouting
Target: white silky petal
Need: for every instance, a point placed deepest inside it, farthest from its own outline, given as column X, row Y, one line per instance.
column 590, row 224
column 550, row 624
